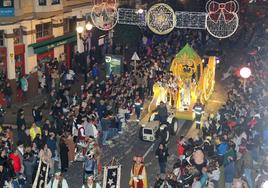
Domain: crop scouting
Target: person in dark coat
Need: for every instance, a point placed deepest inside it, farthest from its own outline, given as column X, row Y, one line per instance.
column 6, row 166
column 52, row 144
column 162, row 153
column 29, row 163
column 8, row 94
column 37, row 114
column 63, row 155
column 26, row 138
column 20, row 121
column 2, row 115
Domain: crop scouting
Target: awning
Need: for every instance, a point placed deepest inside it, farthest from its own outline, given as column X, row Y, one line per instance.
column 44, row 46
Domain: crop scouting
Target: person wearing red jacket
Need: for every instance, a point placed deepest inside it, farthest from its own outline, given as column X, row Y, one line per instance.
column 180, row 147
column 16, row 161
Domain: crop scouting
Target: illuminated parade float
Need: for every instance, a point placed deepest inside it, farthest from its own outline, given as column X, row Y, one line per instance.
column 191, row 79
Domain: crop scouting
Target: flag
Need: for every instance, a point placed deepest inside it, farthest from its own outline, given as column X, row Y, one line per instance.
column 41, row 176
column 112, row 176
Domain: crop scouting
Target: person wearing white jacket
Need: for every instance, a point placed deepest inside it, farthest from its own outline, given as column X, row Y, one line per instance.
column 91, row 183
column 122, row 111
column 58, row 181
column 214, row 176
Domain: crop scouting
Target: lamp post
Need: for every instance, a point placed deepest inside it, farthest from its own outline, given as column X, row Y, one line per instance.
column 85, row 38
column 245, row 73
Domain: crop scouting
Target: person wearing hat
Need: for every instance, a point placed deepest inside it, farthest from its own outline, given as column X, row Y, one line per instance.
column 90, row 183
column 58, row 181
column 138, row 177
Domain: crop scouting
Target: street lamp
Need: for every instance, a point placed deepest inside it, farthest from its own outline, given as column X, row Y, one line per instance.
column 140, row 11
column 85, row 38
column 245, row 73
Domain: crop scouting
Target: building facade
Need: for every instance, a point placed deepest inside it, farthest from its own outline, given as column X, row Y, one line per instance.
column 34, row 31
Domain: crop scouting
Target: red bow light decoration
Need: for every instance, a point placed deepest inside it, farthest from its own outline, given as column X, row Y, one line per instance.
column 228, row 10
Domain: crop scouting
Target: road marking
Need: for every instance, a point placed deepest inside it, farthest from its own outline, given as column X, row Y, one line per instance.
column 148, row 151
column 129, row 150
column 180, row 124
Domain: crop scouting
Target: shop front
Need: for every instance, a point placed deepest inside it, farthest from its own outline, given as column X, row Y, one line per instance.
column 69, row 50
column 19, row 51
column 3, row 63
column 45, row 49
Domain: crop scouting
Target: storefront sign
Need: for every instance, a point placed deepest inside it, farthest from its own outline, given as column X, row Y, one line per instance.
column 113, row 64
column 7, row 12
column 11, row 56
column 53, row 43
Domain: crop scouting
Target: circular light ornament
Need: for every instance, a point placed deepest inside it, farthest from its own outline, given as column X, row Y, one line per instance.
column 245, row 72
column 104, row 16
column 89, row 26
column 79, row 29
column 161, row 19
column 222, row 19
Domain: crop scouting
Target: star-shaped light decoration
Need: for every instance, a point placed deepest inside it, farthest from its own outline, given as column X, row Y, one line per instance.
column 104, row 16
column 110, row 182
column 161, row 18
column 114, row 174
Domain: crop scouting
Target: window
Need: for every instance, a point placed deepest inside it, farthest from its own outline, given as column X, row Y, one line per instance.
column 42, row 2
column 43, row 30
column 1, row 38
column 54, row 2
column 7, row 3
column 18, row 37
column 69, row 25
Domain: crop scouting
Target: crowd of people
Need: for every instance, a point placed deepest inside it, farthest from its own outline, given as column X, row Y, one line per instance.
column 75, row 125
column 231, row 149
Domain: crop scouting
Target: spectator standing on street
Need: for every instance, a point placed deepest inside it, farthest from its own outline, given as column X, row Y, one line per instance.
column 37, row 114
column 8, row 94
column 138, row 106
column 247, row 162
column 2, row 115
column 63, row 155
column 90, row 166
column 29, row 163
column 34, row 130
column 105, row 124
column 71, row 147
column 46, row 156
column 24, row 86
column 162, row 154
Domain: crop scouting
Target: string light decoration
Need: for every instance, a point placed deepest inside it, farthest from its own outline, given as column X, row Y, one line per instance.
column 104, row 14
column 222, row 20
column 161, row 19
column 191, row 20
column 131, row 17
